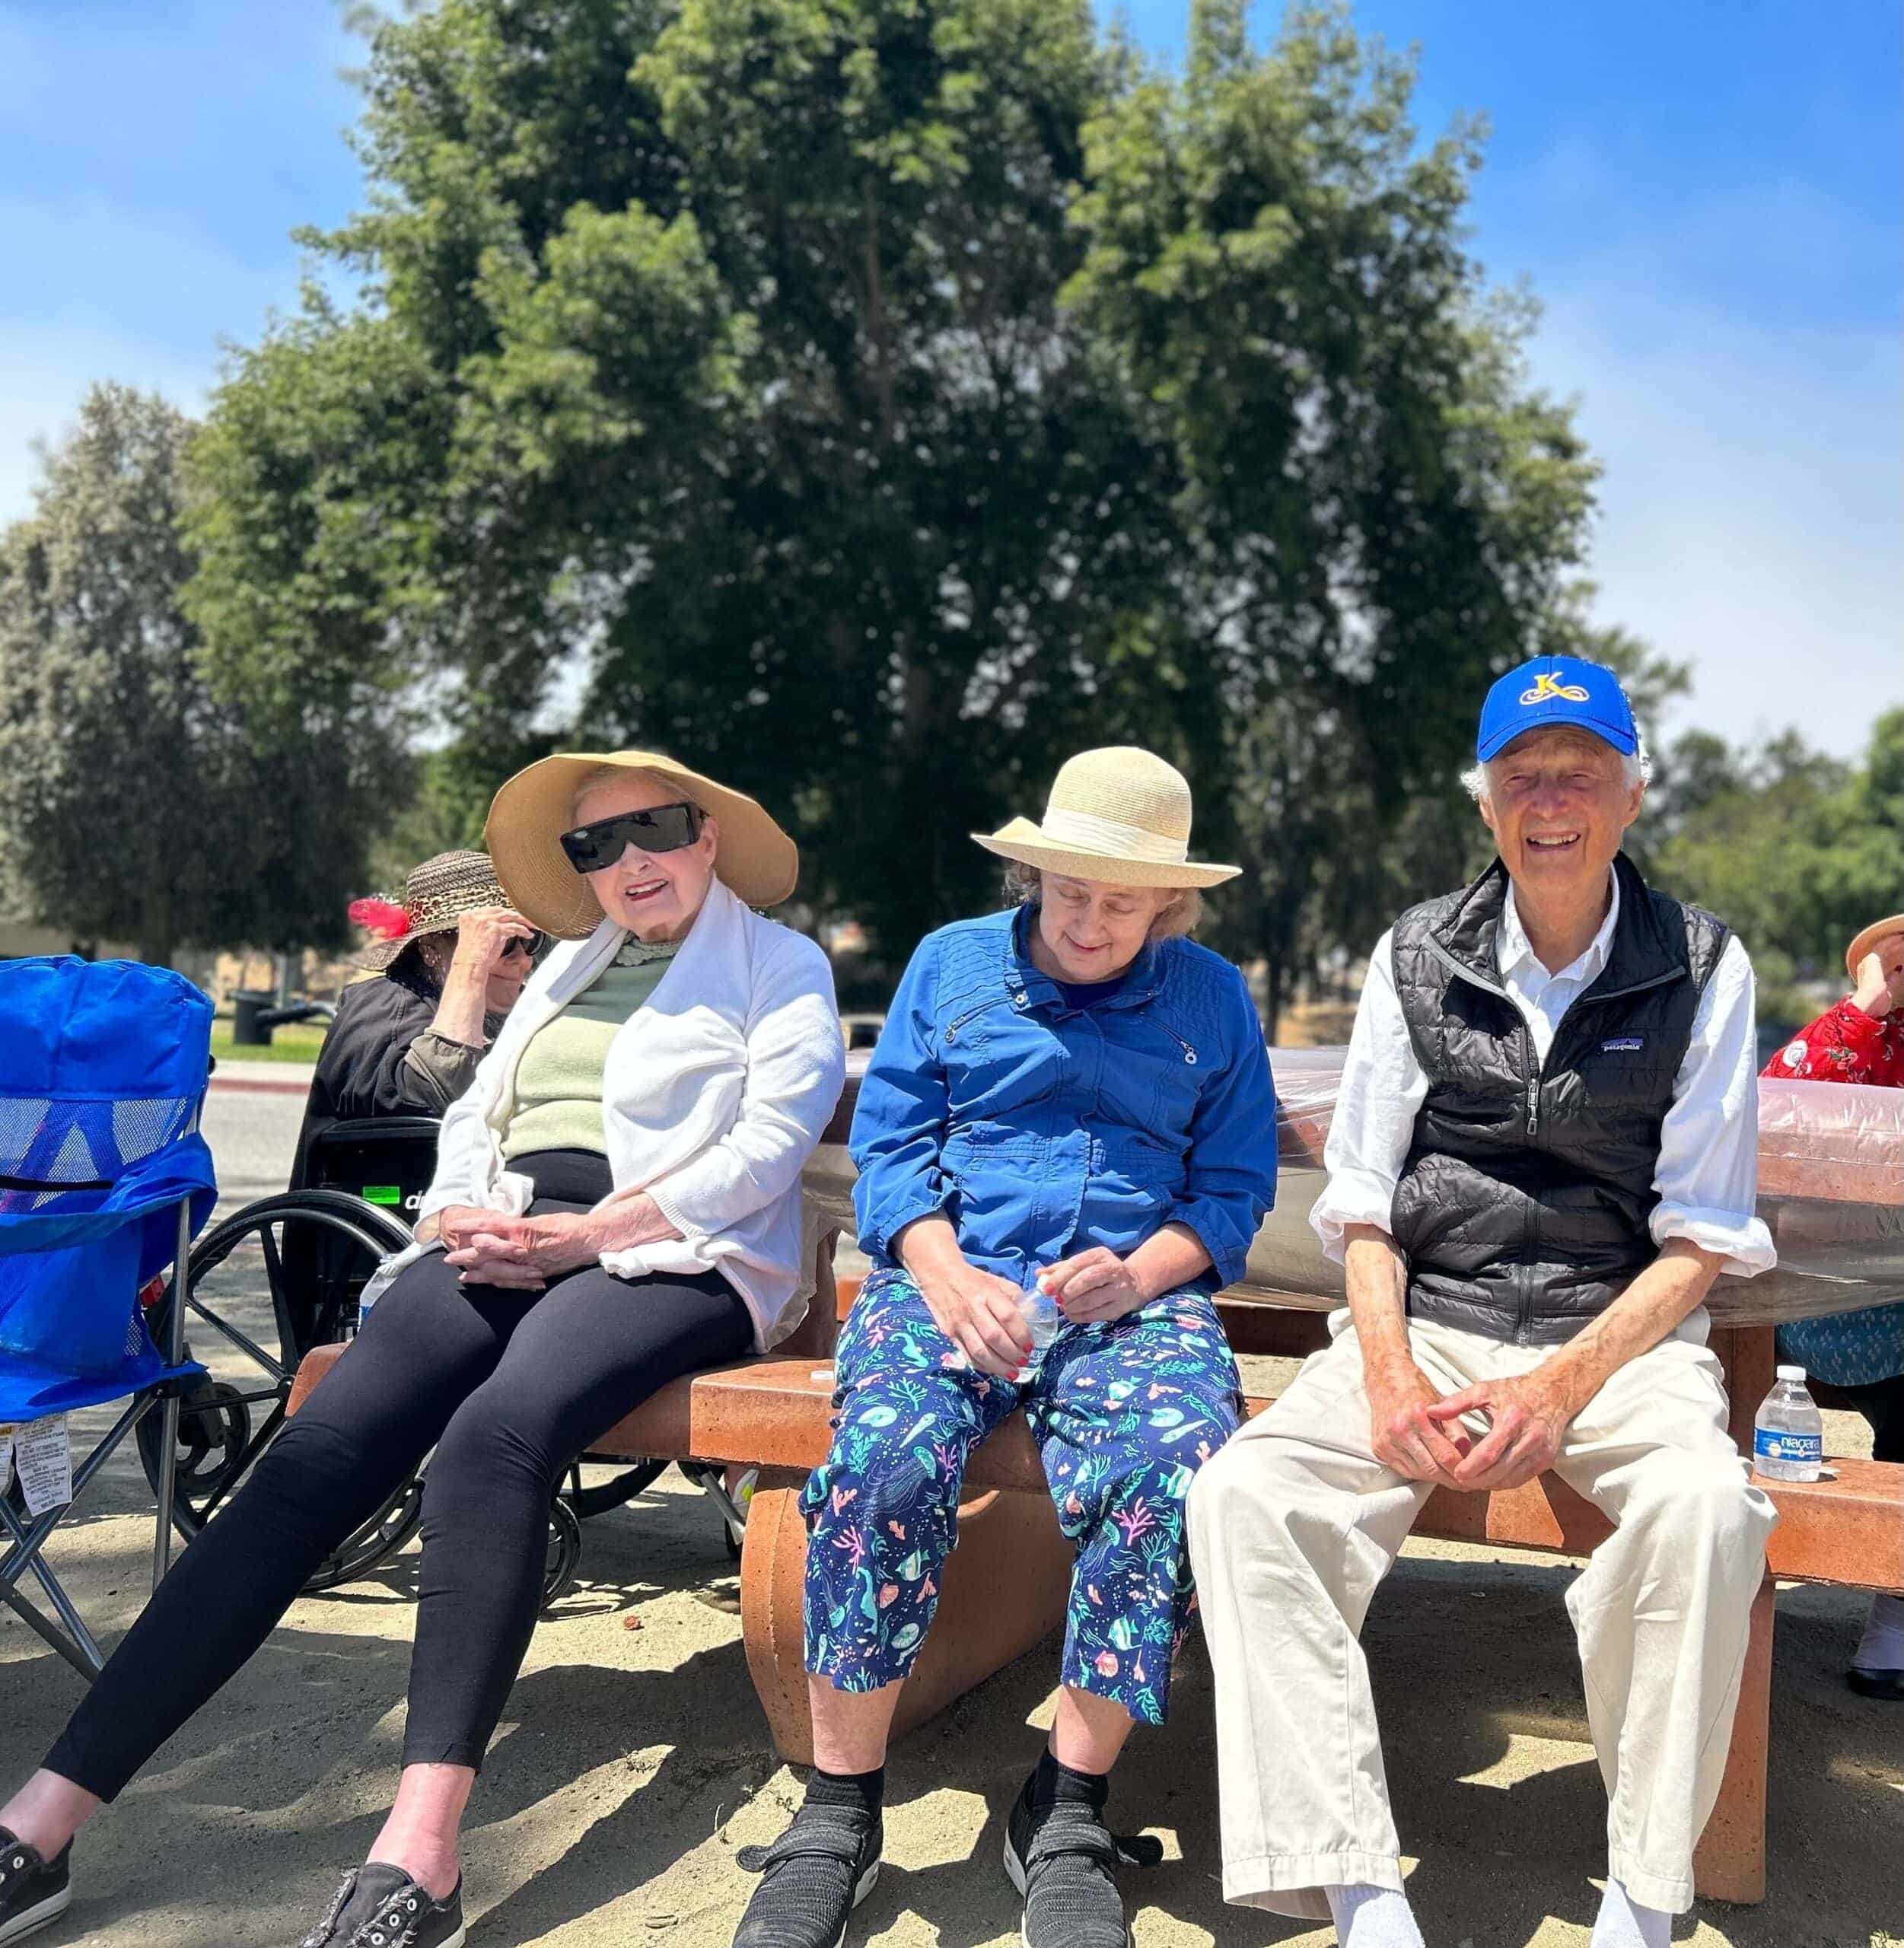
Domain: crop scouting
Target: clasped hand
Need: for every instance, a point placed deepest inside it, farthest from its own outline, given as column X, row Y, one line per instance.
column 493, row 1248
column 1417, row 1431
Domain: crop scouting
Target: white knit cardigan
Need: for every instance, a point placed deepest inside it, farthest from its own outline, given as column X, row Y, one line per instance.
column 714, row 1094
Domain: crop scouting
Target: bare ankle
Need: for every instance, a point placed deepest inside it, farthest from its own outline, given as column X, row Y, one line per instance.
column 430, row 1860
column 47, row 1811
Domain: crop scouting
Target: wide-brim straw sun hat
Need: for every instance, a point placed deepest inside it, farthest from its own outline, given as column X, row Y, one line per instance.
column 1120, row 816
column 756, row 859
column 1868, row 938
column 436, row 896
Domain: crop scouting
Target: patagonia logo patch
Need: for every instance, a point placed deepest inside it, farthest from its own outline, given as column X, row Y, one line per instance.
column 1623, row 1044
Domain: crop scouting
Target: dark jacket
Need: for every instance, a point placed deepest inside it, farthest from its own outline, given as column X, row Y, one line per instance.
column 364, row 1068
column 1524, row 1204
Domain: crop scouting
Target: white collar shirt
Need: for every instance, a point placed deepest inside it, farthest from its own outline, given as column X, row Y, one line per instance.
column 1542, row 998
column 1708, row 1171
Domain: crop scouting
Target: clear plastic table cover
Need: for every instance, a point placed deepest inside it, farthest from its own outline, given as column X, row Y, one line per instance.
column 1831, row 1189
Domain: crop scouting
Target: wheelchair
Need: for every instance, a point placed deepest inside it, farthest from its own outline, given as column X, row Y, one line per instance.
column 284, row 1275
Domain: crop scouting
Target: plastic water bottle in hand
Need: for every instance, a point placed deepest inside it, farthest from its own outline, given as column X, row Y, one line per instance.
column 1044, row 1319
column 1788, row 1439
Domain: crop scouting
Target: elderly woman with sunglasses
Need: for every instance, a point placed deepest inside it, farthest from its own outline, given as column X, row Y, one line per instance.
column 616, row 1203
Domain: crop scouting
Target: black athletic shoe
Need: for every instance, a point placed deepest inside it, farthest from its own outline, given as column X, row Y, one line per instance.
column 1063, row 1860
column 34, row 1890
column 379, row 1906
column 1887, row 1684
column 816, row 1872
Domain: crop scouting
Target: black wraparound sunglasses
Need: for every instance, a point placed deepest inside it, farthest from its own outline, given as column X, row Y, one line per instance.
column 533, row 946
column 665, row 828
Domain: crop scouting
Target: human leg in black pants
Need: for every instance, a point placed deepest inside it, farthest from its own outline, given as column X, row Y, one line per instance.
column 585, row 1353
column 424, row 1354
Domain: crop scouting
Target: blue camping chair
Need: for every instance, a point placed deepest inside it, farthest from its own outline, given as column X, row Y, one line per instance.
column 103, row 1180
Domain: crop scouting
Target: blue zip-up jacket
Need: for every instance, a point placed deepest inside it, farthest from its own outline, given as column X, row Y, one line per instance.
column 1039, row 1129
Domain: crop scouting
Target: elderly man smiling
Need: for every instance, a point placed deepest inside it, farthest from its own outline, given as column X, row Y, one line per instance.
column 1544, row 1153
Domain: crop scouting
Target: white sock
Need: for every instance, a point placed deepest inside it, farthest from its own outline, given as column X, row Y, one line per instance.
column 1881, row 1648
column 1623, row 1923
column 1373, row 1917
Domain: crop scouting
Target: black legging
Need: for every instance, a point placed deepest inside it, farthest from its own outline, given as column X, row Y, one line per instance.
column 508, row 1387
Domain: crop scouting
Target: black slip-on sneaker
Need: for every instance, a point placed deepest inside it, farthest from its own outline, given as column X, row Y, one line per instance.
column 34, row 1890
column 1063, row 1860
column 813, row 1877
column 378, row 1905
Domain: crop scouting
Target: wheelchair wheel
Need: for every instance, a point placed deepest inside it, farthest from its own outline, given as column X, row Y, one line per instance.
column 262, row 1287
column 386, row 1534
column 564, row 1551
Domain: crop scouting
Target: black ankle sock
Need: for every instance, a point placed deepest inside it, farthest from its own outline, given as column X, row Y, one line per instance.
column 864, row 1790
column 1055, row 1783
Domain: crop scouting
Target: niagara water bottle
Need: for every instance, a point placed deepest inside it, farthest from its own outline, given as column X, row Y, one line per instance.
column 1043, row 1319
column 1789, row 1438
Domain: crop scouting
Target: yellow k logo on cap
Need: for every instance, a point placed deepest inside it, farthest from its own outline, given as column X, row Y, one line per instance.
column 1548, row 687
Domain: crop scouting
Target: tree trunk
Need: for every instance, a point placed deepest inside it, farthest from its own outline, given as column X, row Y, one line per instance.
column 158, row 938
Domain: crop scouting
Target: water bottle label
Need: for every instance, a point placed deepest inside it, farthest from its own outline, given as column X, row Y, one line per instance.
column 1770, row 1444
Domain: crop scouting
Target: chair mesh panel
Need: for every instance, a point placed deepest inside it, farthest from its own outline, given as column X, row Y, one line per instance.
column 51, row 1147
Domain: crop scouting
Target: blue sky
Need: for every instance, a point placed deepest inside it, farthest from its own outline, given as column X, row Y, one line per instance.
column 1704, row 194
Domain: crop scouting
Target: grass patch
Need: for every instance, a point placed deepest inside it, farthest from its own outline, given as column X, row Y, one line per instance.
column 299, row 1043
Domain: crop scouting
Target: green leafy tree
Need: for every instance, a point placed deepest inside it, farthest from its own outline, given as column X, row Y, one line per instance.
column 1795, row 850
column 880, row 398
column 137, row 805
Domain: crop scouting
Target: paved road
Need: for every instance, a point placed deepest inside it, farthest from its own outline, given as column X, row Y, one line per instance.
column 252, row 1134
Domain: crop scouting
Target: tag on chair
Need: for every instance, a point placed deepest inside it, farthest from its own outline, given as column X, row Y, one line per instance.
column 44, row 1452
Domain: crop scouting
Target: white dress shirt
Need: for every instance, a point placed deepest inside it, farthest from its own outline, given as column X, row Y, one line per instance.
column 1708, row 1173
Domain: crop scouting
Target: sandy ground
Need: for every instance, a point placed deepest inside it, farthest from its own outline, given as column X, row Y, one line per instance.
column 632, row 1762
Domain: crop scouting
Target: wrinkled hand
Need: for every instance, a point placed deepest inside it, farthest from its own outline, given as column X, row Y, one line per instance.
column 1881, row 978
column 1527, row 1418
column 983, row 1317
column 485, row 935
column 524, row 1253
column 455, row 1224
column 1093, row 1287
column 1402, row 1433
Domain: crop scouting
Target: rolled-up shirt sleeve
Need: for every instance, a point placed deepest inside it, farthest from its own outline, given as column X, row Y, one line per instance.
column 1230, row 1171
column 1383, row 1088
column 1708, row 1174
column 899, row 1122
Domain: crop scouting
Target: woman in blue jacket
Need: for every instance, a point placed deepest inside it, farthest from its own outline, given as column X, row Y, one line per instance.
column 1066, row 1140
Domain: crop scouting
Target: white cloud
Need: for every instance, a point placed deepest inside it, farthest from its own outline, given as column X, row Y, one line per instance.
column 99, row 292
column 45, row 371
column 1751, row 503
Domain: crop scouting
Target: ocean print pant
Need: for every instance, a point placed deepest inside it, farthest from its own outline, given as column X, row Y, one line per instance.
column 1123, row 1414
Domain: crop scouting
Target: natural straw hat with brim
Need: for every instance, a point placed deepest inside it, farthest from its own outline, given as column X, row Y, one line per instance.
column 528, row 817
column 1120, row 816
column 1877, row 930
column 435, row 897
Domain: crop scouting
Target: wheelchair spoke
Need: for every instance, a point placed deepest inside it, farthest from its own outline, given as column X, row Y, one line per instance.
column 242, row 1340
column 241, row 1466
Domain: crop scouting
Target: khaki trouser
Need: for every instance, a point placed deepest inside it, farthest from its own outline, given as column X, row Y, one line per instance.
column 1295, row 1523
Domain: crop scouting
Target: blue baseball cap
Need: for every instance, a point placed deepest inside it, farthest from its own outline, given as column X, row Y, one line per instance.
column 1557, row 690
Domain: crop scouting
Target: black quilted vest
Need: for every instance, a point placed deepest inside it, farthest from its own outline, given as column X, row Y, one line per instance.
column 1523, row 1206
